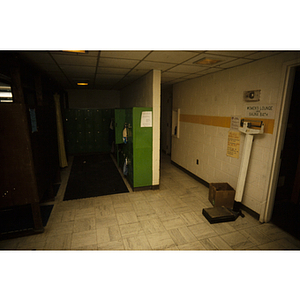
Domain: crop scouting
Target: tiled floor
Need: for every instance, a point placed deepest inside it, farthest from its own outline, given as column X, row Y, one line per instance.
column 166, row 219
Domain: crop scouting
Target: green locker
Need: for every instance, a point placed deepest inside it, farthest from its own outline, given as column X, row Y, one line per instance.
column 87, row 130
column 138, row 149
column 119, row 125
column 142, row 149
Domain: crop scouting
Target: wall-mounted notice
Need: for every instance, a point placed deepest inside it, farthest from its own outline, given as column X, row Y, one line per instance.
column 146, row 119
column 260, row 111
column 235, row 122
column 233, row 145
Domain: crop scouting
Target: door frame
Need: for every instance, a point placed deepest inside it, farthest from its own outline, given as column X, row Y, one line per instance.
column 288, row 77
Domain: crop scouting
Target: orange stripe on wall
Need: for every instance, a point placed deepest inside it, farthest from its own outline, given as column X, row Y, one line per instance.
column 222, row 121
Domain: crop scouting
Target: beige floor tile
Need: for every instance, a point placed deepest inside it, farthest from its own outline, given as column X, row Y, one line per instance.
column 87, row 212
column 182, row 209
column 31, row 246
column 237, row 241
column 127, row 218
column 192, row 246
column 82, row 239
column 85, row 203
column 208, row 244
column 104, row 210
column 114, row 245
column 106, row 221
column 59, row 242
column 191, row 218
column 141, row 205
column 219, row 243
column 223, row 228
column 68, row 215
column 108, row 234
column 160, row 240
column 103, row 200
column 10, row 244
column 165, row 212
column 55, row 217
column 88, row 247
column 273, row 232
column 126, row 207
column 244, row 223
column 131, row 229
column 138, row 242
column 182, row 236
column 287, row 244
column 202, row 231
column 84, row 224
column 274, row 245
column 173, row 222
column 255, row 235
column 152, row 226
column 59, row 228
column 146, row 214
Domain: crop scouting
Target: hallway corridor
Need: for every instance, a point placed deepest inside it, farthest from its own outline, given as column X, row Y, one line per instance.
column 166, row 219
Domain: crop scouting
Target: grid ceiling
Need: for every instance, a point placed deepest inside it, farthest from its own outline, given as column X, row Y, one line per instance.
column 113, row 70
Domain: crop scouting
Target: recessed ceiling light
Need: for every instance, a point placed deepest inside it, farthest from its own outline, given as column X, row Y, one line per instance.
column 82, row 83
column 206, row 61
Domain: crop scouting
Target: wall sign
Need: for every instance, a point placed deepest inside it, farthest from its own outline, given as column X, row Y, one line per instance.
column 235, row 122
column 260, row 111
column 233, row 144
column 146, row 119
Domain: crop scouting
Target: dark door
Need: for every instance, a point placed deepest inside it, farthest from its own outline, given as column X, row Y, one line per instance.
column 286, row 213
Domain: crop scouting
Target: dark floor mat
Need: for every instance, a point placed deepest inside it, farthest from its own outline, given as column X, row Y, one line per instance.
column 19, row 218
column 92, row 176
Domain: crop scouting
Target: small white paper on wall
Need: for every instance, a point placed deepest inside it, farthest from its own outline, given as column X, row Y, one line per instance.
column 146, row 119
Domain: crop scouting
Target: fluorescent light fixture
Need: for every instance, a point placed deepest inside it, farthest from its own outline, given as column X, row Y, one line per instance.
column 6, row 97
column 206, row 61
column 82, row 83
column 75, row 51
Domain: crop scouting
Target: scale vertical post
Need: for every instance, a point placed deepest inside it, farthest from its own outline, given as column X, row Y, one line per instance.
column 244, row 167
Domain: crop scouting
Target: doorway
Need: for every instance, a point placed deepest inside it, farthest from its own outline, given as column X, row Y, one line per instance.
column 286, row 211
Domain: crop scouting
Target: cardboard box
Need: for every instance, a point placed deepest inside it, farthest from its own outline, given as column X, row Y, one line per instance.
column 221, row 194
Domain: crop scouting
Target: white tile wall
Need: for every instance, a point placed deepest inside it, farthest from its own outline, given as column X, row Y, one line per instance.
column 221, row 94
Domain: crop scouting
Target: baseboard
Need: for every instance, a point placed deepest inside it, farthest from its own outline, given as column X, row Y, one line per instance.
column 145, row 188
column 205, row 183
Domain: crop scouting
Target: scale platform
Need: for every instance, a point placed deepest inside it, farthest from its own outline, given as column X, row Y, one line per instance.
column 220, row 214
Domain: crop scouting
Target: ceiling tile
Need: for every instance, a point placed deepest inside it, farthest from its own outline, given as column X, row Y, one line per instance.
column 172, row 75
column 211, row 56
column 231, row 53
column 124, row 54
column 262, row 54
column 138, row 72
column 237, row 62
column 50, row 67
column 104, row 70
column 75, row 60
column 188, row 68
column 149, row 65
column 118, row 63
column 38, row 56
column 78, row 69
column 170, row 56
